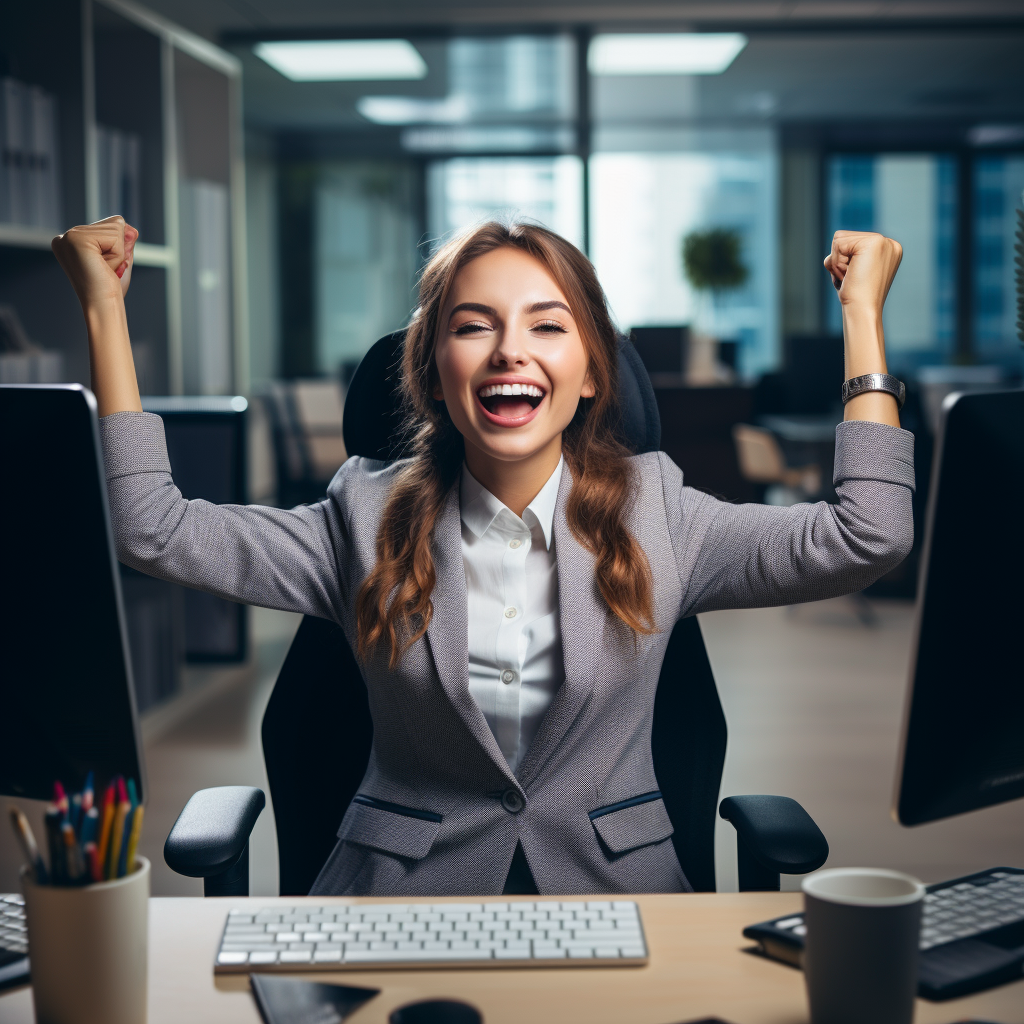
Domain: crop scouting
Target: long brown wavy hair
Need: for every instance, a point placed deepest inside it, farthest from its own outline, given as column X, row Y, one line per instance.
column 394, row 606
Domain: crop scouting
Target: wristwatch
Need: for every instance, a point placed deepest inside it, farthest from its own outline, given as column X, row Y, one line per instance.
column 875, row 382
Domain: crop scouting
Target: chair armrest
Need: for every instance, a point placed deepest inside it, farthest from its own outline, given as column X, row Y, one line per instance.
column 777, row 834
column 212, row 831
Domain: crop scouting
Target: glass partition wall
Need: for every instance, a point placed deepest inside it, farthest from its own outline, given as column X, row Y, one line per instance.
column 632, row 144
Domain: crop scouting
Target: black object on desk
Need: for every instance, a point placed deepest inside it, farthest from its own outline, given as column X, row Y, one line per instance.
column 436, row 1011
column 289, row 1001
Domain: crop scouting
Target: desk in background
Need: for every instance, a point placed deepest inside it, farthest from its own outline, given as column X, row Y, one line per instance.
column 697, row 969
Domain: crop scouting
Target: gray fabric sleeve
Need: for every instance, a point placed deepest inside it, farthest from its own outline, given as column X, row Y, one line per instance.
column 746, row 556
column 248, row 553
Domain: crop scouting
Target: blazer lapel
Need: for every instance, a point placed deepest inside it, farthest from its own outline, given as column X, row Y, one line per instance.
column 582, row 618
column 448, row 632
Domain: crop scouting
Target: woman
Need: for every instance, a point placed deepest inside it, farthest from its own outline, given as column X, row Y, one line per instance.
column 511, row 587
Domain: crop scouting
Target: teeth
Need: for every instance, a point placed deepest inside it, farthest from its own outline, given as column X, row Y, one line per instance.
column 530, row 390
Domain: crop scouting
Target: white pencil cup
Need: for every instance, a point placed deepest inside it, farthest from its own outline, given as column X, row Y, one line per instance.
column 87, row 949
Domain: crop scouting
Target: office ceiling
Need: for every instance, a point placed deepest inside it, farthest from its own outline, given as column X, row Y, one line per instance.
column 956, row 62
column 216, row 19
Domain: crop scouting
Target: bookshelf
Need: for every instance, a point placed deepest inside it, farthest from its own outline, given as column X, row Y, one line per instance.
column 147, row 123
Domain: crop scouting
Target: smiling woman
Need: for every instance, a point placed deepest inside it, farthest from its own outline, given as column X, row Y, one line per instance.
column 510, row 364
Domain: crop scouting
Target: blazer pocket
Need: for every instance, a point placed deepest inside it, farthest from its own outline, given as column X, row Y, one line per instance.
column 629, row 824
column 392, row 828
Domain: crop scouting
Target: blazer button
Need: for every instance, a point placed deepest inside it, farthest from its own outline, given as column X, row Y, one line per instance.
column 511, row 801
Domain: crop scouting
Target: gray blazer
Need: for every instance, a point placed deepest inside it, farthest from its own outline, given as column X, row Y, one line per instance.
column 439, row 810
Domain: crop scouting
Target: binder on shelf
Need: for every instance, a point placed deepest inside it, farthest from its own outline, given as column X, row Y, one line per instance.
column 13, row 156
column 44, row 205
column 120, row 174
column 29, row 158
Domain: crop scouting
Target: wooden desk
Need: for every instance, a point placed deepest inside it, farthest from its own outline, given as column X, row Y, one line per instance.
column 697, row 969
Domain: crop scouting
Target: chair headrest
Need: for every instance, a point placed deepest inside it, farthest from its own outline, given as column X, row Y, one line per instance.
column 373, row 414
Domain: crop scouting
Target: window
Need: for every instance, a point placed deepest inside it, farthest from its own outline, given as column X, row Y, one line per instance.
column 642, row 205
column 910, row 197
column 997, row 191
column 466, row 191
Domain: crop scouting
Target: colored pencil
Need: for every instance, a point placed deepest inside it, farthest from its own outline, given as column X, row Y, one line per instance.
column 76, row 869
column 90, row 826
column 106, row 824
column 133, row 841
column 55, row 842
column 117, row 838
column 60, row 799
column 92, row 862
column 23, row 830
column 88, row 795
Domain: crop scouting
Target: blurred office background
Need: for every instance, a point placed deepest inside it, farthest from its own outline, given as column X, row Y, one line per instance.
column 292, row 165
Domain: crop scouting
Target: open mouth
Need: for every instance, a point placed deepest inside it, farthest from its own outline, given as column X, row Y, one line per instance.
column 508, row 402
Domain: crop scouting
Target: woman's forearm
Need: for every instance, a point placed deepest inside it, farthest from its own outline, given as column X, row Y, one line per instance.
column 110, row 356
column 865, row 353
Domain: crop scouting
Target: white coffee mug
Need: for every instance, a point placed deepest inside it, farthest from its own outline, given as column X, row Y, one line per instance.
column 87, row 949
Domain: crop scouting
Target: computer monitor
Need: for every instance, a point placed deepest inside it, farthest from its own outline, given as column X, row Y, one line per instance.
column 67, row 704
column 963, row 742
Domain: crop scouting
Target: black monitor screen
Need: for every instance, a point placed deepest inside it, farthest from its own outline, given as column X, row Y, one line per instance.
column 66, row 703
column 964, row 740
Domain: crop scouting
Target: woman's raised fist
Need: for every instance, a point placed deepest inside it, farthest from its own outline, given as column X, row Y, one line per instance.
column 863, row 265
column 97, row 258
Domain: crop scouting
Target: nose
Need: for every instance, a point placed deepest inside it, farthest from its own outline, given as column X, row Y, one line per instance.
column 510, row 351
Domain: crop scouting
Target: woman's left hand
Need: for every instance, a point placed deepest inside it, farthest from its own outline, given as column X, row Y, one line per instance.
column 863, row 265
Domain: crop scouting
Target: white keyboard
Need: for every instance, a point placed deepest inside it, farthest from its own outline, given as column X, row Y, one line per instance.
column 492, row 934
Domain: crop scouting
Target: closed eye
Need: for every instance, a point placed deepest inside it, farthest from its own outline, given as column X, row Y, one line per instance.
column 472, row 328
column 550, row 327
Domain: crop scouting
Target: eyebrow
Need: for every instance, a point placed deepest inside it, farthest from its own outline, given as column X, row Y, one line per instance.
column 540, row 307
column 479, row 307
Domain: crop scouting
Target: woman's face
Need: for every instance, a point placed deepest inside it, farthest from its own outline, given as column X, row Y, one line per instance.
column 511, row 363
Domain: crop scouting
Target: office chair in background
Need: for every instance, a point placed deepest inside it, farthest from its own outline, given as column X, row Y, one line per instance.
column 211, row 836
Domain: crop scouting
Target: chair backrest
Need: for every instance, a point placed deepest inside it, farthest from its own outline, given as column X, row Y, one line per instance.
column 759, row 454
column 315, row 761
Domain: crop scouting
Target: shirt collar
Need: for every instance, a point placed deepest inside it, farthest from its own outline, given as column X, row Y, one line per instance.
column 480, row 508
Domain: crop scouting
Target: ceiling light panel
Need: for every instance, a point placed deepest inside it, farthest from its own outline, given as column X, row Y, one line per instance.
column 668, row 53
column 344, row 60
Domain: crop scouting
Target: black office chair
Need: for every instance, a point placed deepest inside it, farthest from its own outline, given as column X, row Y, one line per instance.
column 331, row 748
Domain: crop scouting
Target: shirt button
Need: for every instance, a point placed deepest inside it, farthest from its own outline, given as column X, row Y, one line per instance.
column 508, row 676
column 515, row 544
column 511, row 801
column 510, row 613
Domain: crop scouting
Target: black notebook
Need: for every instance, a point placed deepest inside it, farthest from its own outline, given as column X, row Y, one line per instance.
column 290, row 1001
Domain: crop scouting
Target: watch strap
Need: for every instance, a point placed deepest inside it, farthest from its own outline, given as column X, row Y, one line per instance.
column 875, row 382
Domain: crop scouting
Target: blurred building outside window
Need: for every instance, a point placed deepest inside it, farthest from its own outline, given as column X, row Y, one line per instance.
column 465, row 191
column 910, row 197
column 998, row 190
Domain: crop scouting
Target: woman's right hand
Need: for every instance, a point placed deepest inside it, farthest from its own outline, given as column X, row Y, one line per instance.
column 97, row 259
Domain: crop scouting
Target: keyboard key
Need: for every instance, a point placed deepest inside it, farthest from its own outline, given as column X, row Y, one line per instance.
column 402, row 956
column 263, row 957
column 232, row 958
column 296, row 956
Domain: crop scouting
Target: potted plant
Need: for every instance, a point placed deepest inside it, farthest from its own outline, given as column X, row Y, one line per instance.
column 712, row 265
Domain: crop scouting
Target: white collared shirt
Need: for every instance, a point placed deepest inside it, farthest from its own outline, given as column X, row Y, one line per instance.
column 515, row 641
